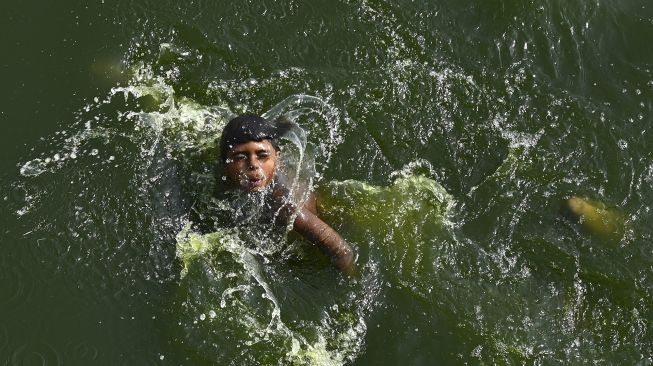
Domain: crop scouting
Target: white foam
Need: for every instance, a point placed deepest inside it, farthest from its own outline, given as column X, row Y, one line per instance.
column 33, row 168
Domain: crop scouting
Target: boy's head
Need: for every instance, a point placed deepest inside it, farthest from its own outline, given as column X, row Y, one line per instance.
column 249, row 151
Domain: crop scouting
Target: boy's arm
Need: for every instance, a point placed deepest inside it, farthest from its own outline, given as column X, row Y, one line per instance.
column 328, row 240
column 311, row 227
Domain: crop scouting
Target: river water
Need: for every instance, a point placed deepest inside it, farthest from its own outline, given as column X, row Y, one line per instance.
column 441, row 137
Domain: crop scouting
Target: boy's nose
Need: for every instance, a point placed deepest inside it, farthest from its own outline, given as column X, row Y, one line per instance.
column 253, row 164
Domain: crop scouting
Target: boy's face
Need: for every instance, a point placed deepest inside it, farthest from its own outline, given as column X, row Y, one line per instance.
column 251, row 165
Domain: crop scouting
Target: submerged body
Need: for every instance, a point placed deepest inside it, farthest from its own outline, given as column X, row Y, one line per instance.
column 595, row 217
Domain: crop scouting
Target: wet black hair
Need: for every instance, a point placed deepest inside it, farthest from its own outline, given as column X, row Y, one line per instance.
column 251, row 127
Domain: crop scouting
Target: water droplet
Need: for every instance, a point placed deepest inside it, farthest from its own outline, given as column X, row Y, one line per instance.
column 202, row 316
column 212, row 314
column 622, row 144
column 94, row 152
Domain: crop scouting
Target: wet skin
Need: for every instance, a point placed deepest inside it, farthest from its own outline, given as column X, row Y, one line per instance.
column 251, row 165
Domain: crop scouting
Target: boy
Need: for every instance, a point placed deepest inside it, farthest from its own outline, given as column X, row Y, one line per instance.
column 250, row 156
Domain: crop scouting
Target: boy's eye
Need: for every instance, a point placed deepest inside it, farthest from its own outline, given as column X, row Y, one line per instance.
column 263, row 155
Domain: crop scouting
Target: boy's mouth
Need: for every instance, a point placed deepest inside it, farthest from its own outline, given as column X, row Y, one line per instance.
column 254, row 183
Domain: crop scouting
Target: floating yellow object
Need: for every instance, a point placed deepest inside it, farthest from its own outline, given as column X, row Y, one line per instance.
column 109, row 70
column 595, row 217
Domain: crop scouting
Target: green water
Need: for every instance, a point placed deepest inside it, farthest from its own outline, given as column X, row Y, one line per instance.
column 445, row 137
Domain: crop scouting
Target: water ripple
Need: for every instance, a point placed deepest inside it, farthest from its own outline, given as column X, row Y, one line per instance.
column 82, row 352
column 36, row 354
column 16, row 289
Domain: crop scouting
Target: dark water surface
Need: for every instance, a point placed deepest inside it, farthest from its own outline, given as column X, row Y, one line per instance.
column 445, row 134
